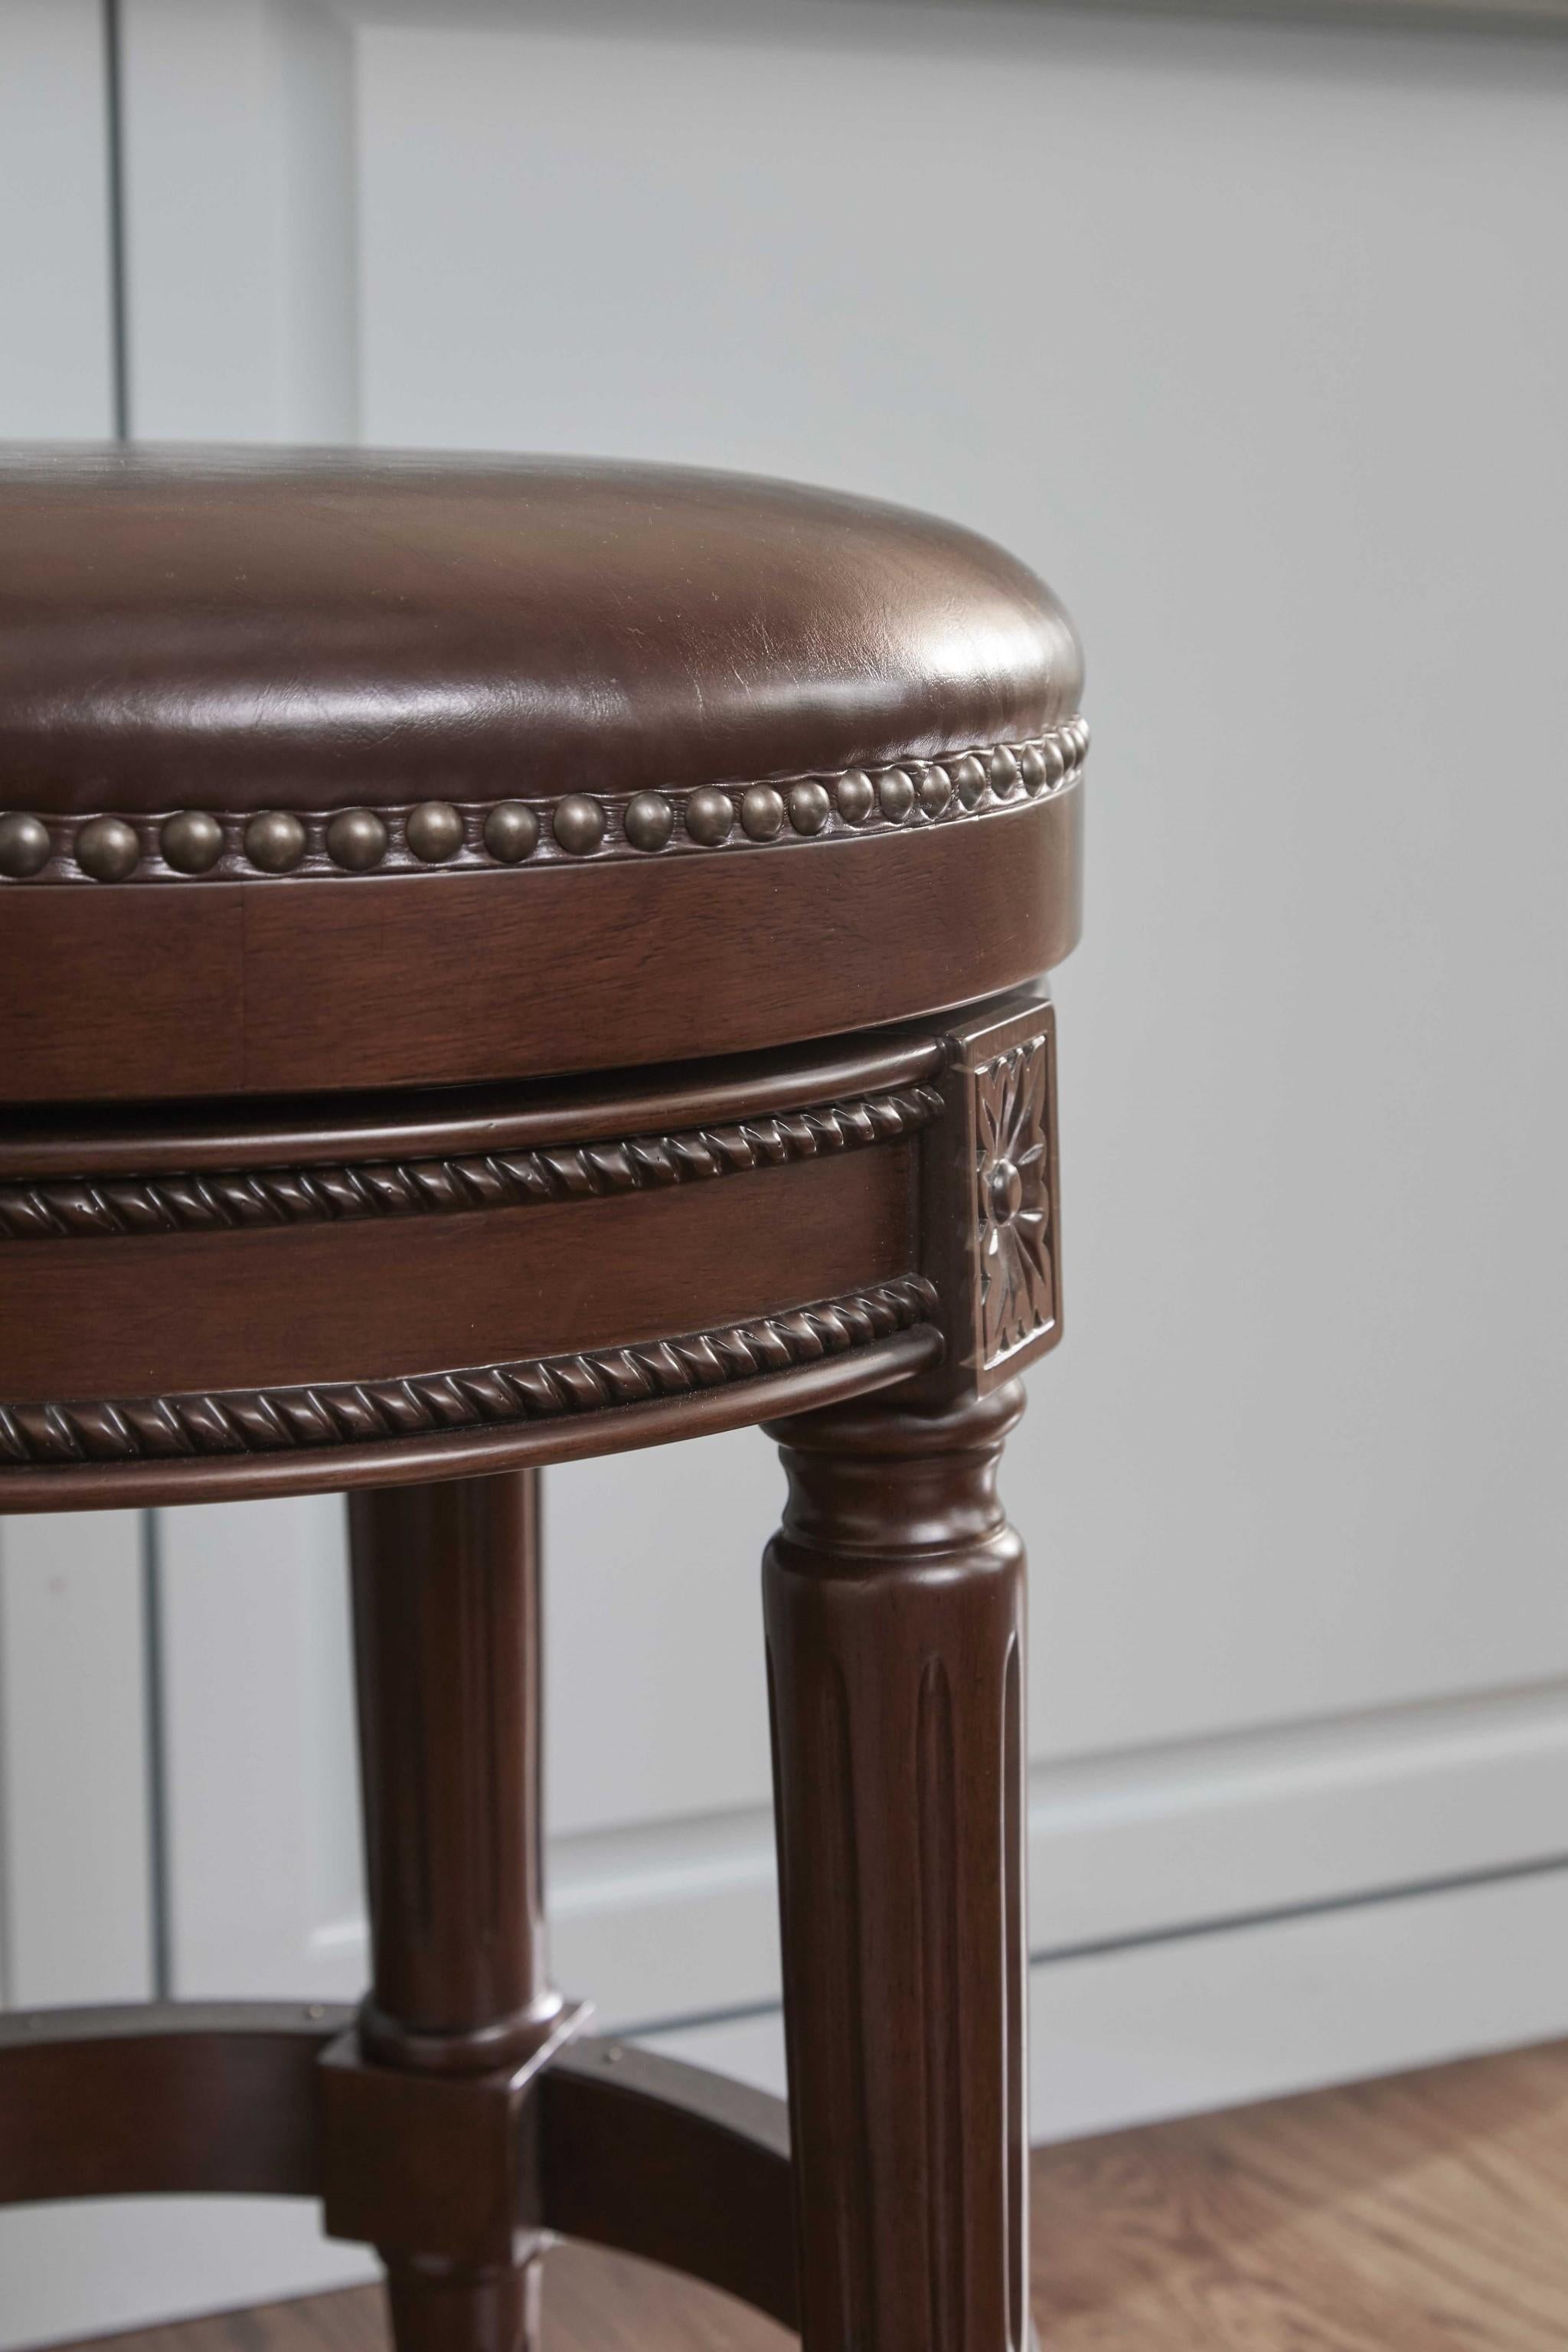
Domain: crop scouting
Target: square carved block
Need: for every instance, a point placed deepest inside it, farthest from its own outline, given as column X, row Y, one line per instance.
column 990, row 1217
column 439, row 2164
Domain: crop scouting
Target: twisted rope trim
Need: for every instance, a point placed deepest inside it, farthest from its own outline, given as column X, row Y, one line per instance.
column 277, row 1421
column 230, row 1200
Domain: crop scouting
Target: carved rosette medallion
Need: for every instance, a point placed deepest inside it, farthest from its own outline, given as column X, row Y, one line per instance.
column 1013, row 1164
column 992, row 1223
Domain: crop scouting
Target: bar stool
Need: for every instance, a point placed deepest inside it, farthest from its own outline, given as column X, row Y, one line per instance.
column 507, row 960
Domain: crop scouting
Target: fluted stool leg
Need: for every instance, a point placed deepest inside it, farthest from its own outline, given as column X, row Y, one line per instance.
column 894, row 1603
column 446, row 1604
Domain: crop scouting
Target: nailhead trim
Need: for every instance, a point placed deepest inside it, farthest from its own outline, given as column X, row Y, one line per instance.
column 575, row 828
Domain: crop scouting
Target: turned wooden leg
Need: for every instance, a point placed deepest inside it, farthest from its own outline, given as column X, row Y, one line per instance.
column 894, row 1601
column 446, row 1606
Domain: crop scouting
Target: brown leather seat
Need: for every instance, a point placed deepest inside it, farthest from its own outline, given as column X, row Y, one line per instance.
column 327, row 769
column 230, row 630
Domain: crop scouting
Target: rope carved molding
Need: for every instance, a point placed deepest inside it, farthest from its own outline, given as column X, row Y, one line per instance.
column 279, row 1419
column 77, row 1209
column 574, row 828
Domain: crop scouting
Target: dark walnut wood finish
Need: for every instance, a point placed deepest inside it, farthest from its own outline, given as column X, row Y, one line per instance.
column 425, row 1060
column 429, row 2149
column 1420, row 2214
column 894, row 1601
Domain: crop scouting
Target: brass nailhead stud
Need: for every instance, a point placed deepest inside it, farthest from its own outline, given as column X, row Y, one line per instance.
column 856, row 794
column 106, row 848
column 356, row 838
column 709, row 815
column 896, row 793
column 578, row 824
column 192, row 842
column 649, row 821
column 968, row 779
column 761, row 813
column 275, row 842
column 1003, row 772
column 809, row 807
column 23, row 845
column 936, row 791
column 434, row 831
column 511, row 831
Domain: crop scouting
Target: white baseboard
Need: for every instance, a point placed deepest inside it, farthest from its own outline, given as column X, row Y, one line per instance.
column 1217, row 2019
column 1152, row 1994
column 1161, row 2028
column 677, row 1920
column 1295, row 1815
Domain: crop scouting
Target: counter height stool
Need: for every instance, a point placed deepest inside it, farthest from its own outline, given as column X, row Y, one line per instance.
column 503, row 961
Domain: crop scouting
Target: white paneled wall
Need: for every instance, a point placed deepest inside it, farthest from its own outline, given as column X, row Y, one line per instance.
column 56, row 358
column 76, row 1777
column 1254, row 338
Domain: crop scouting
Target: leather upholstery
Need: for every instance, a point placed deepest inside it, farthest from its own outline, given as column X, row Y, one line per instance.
column 228, row 629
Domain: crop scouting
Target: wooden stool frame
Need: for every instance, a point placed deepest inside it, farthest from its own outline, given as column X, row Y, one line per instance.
column 864, row 1234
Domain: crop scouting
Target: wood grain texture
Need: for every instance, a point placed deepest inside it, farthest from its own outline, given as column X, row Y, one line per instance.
column 446, row 1615
column 482, row 1448
column 224, row 1302
column 329, row 1192
column 893, row 1603
column 234, row 988
column 292, row 1295
column 108, row 1140
column 581, row 2136
column 641, row 2152
column 379, row 1299
column 447, row 1654
column 225, row 1423
column 162, row 2097
column 1419, row 2214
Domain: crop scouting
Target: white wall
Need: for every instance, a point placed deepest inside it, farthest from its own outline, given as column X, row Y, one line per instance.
column 1256, row 342
column 55, row 347
column 1254, row 338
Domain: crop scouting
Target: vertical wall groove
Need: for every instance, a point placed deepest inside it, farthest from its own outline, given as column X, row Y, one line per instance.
column 415, row 1896
column 1016, row 1996
column 160, row 1828
column 843, row 1846
column 496, row 1659
column 938, row 1845
column 114, row 195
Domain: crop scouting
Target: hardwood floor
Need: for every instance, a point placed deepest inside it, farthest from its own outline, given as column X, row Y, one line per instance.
column 1426, row 2213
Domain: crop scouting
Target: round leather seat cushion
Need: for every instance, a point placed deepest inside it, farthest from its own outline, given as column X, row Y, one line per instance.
column 234, row 629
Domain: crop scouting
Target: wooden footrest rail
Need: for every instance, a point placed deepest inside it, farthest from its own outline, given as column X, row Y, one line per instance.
column 594, row 2139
